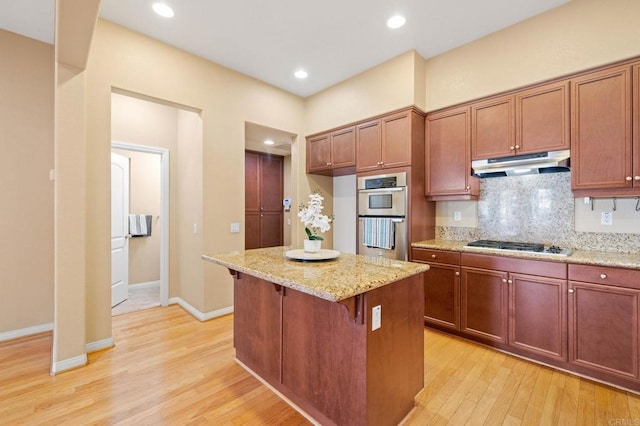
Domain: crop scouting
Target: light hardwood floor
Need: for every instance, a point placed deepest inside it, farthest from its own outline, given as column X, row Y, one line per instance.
column 168, row 368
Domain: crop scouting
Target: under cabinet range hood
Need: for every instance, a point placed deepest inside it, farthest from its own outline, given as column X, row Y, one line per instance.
column 525, row 164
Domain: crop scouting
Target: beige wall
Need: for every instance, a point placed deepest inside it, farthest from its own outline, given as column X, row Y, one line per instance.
column 579, row 35
column 127, row 61
column 26, row 217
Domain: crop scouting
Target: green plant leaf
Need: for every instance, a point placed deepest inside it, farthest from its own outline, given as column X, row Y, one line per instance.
column 309, row 234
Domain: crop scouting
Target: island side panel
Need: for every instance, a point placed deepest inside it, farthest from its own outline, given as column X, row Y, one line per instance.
column 324, row 359
column 395, row 351
column 257, row 325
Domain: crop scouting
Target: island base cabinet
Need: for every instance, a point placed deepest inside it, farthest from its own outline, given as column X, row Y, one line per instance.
column 332, row 364
column 603, row 330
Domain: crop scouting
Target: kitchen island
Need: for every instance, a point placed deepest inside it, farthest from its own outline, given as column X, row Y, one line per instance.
column 341, row 340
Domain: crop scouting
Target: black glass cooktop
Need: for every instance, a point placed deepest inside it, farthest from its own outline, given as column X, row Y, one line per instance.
column 507, row 245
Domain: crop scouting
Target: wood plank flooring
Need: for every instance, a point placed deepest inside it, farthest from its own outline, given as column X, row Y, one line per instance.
column 168, row 368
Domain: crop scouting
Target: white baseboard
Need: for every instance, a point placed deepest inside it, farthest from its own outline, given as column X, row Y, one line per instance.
column 99, row 345
column 68, row 364
column 16, row 334
column 196, row 313
column 148, row 284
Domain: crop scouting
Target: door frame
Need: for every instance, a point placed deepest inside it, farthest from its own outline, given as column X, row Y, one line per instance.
column 164, row 210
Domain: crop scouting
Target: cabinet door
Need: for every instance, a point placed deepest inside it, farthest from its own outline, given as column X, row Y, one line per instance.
column 396, row 140
column 603, row 328
column 484, row 304
column 343, row 148
column 542, row 119
column 369, row 146
column 601, row 130
column 636, row 126
column 492, row 124
column 442, row 295
column 448, row 152
column 537, row 320
column 319, row 153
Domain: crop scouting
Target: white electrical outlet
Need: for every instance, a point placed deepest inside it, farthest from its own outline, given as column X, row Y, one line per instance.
column 376, row 317
column 235, row 228
column 195, row 228
column 457, row 216
column 606, row 218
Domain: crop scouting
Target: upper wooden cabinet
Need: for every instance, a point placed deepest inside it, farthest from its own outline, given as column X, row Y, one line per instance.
column 448, row 156
column 332, row 153
column 493, row 132
column 390, row 141
column 602, row 155
column 527, row 122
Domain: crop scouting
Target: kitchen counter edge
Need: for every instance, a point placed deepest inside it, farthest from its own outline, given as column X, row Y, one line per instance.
column 582, row 257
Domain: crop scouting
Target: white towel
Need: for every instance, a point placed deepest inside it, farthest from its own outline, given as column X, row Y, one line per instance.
column 379, row 233
column 138, row 225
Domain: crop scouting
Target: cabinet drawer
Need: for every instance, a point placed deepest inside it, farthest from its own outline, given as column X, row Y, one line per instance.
column 620, row 277
column 511, row 264
column 439, row 256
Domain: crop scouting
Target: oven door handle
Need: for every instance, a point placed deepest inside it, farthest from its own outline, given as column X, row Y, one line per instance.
column 393, row 219
column 394, row 189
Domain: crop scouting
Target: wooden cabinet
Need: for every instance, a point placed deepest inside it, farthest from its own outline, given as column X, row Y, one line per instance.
column 332, row 153
column 441, row 287
column 527, row 122
column 390, row 141
column 636, row 126
column 515, row 302
column 603, row 320
column 448, row 156
column 493, row 133
column 602, row 148
column 263, row 200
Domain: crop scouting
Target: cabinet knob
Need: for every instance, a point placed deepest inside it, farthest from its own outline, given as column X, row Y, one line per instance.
column 457, row 274
column 328, row 164
column 504, row 280
column 636, row 178
column 512, row 147
column 603, row 276
column 261, row 208
column 433, row 256
column 570, row 290
column 517, row 146
column 510, row 281
column 628, row 178
column 468, row 187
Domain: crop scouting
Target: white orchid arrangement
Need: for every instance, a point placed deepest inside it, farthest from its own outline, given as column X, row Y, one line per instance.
column 312, row 217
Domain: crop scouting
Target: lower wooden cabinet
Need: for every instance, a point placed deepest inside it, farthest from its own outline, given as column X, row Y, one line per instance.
column 484, row 304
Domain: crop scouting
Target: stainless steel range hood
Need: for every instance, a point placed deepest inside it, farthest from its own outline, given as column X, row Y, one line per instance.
column 525, row 164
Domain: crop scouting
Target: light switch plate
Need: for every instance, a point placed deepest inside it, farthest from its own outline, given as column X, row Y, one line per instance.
column 235, row 228
column 606, row 218
column 376, row 317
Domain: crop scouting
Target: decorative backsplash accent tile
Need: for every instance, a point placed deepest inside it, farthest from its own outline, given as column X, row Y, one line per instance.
column 535, row 208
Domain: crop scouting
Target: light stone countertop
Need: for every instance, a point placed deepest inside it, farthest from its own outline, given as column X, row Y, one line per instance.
column 584, row 257
column 333, row 280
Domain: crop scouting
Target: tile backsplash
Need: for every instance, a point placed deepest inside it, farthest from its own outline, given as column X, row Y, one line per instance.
column 541, row 208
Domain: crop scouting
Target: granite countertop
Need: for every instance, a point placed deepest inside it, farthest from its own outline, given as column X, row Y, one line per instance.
column 333, row 280
column 584, row 257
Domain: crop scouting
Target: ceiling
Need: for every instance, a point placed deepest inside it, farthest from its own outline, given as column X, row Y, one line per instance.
column 269, row 40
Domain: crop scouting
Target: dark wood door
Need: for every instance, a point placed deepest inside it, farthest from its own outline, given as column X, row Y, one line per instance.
column 319, row 153
column 264, row 188
column 396, row 140
column 448, row 152
column 543, row 119
column 484, row 304
column 492, row 124
column 601, row 130
column 369, row 146
column 442, row 295
column 343, row 148
column 603, row 328
column 537, row 320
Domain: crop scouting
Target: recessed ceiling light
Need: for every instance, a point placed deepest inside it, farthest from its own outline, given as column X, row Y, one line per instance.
column 268, row 142
column 396, row 22
column 163, row 9
column 301, row 74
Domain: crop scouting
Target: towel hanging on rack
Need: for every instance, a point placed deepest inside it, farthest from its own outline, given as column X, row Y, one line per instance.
column 378, row 233
column 140, row 225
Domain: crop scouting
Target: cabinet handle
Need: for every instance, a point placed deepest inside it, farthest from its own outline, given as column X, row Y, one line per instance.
column 433, row 256
column 628, row 178
column 570, row 290
column 510, row 281
column 603, row 276
column 517, row 146
column 468, row 187
column 637, row 178
column 457, row 274
column 261, row 208
column 504, row 280
column 512, row 147
column 328, row 164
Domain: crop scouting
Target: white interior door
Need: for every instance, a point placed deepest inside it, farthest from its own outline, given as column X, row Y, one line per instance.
column 119, row 229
